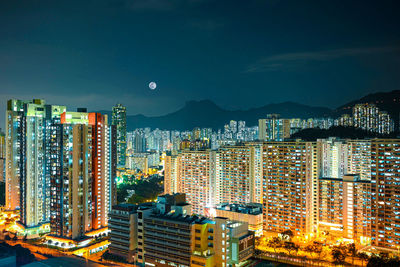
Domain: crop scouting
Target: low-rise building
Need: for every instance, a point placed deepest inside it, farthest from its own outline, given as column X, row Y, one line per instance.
column 123, row 237
column 250, row 213
column 167, row 235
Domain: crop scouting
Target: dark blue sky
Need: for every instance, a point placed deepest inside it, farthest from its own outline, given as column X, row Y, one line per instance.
column 240, row 54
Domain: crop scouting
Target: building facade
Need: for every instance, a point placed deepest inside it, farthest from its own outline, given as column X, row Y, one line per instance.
column 168, row 235
column 385, row 188
column 197, row 177
column 273, row 128
column 239, row 174
column 290, row 172
column 2, row 156
column 119, row 120
column 123, row 236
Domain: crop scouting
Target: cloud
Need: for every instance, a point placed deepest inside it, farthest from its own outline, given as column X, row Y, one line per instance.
column 292, row 60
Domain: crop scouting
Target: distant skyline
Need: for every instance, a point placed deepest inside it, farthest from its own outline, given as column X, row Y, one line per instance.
column 239, row 54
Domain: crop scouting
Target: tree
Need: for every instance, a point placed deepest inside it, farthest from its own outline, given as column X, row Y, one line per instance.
column 339, row 254
column 393, row 261
column 275, row 243
column 375, row 261
column 287, row 235
column 352, row 251
column 314, row 247
column 363, row 257
column 290, row 246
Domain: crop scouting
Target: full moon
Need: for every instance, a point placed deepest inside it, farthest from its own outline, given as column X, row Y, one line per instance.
column 152, row 85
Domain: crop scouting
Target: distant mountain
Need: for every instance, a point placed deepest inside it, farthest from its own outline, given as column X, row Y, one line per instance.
column 206, row 113
column 387, row 101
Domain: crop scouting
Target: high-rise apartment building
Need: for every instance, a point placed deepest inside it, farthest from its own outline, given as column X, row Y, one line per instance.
column 239, row 174
column 27, row 179
column 197, row 178
column 119, row 120
column 171, row 173
column 334, row 157
column 2, row 156
column 345, row 208
column 385, row 193
column 14, row 147
column 82, row 148
column 359, row 158
column 273, row 128
column 103, row 173
column 368, row 117
column 290, row 171
column 72, row 181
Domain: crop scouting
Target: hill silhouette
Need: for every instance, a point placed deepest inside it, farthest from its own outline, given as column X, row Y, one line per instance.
column 207, row 114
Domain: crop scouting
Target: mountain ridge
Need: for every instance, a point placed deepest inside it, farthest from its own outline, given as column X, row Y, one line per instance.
column 207, row 114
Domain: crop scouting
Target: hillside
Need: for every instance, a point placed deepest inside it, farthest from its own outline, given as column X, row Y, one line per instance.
column 206, row 113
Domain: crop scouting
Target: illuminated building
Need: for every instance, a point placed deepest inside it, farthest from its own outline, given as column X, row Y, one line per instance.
column 239, row 174
column 72, row 177
column 83, row 153
column 14, row 147
column 123, row 226
column 27, row 179
column 334, row 157
column 2, row 156
column 119, row 120
column 138, row 161
column 385, row 191
column 166, row 232
column 251, row 213
column 197, row 178
column 233, row 243
column 103, row 171
column 196, row 134
column 369, row 117
column 345, row 120
column 345, row 208
column 139, row 144
column 273, row 128
column 360, row 158
column 171, row 173
column 290, row 171
column 169, row 236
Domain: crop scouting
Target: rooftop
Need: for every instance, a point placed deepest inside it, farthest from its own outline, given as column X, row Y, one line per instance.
column 180, row 218
column 251, row 208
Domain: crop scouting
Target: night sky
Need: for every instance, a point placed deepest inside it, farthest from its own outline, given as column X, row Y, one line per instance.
column 240, row 54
